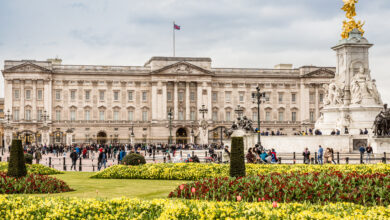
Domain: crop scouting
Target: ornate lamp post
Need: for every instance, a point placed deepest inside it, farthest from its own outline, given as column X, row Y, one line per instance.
column 170, row 117
column 8, row 116
column 203, row 111
column 257, row 97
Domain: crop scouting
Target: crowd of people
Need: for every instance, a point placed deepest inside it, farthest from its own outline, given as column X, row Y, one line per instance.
column 260, row 155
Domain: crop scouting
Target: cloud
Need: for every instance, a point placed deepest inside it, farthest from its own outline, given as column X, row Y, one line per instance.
column 245, row 33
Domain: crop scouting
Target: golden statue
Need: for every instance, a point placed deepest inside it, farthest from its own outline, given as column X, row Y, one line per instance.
column 350, row 13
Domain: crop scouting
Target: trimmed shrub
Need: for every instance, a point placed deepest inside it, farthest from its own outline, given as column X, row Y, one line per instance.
column 237, row 158
column 133, row 159
column 28, row 158
column 17, row 163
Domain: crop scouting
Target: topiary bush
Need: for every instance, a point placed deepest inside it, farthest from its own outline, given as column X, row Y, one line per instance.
column 28, row 158
column 17, row 163
column 133, row 159
column 237, row 157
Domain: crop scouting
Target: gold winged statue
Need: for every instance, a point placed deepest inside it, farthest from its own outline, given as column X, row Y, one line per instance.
column 350, row 23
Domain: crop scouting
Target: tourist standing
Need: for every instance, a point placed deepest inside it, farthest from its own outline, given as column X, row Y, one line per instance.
column 369, row 154
column 74, row 156
column 102, row 160
column 320, row 154
column 328, row 156
column 250, row 157
column 306, row 156
column 38, row 156
column 362, row 149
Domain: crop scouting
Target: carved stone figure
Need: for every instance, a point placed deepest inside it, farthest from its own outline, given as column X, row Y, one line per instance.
column 382, row 122
column 356, row 92
column 242, row 123
column 373, row 91
column 326, row 95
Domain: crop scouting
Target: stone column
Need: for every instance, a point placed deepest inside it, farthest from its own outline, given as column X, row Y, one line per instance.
column 47, row 97
column 199, row 99
column 69, row 138
column 21, row 112
column 209, row 106
column 164, row 113
column 187, row 101
column 8, row 96
column 175, row 101
column 317, row 110
column 34, row 101
column 154, row 101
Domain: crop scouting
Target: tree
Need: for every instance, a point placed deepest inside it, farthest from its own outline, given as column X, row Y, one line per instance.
column 237, row 158
column 17, row 163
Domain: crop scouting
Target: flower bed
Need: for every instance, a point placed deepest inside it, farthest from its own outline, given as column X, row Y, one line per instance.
column 32, row 183
column 34, row 168
column 27, row 207
column 366, row 189
column 196, row 171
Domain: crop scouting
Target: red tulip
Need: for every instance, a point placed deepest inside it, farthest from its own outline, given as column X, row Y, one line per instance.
column 275, row 204
column 238, row 198
column 181, row 186
column 193, row 190
column 263, row 198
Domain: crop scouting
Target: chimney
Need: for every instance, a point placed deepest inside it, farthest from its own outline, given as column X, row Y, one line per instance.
column 283, row 66
column 55, row 61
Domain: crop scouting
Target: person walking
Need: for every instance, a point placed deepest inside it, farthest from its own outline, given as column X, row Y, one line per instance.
column 369, row 154
column 327, row 156
column 38, row 156
column 320, row 155
column 362, row 149
column 74, row 156
column 306, row 156
column 102, row 159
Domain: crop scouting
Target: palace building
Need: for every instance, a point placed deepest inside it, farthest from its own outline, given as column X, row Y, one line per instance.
column 50, row 102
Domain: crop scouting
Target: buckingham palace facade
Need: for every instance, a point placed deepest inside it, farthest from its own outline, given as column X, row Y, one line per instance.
column 50, row 102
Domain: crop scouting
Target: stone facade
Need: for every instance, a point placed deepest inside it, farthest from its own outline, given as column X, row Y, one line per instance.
column 86, row 104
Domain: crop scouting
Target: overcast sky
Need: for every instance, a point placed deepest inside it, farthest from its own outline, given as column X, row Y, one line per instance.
column 235, row 33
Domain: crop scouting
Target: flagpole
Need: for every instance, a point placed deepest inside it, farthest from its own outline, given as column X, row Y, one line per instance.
column 173, row 28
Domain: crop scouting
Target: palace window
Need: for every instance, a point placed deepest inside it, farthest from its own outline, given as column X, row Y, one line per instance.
column 130, row 96
column 130, row 115
column 321, row 97
column 39, row 115
column 241, row 97
column 144, row 96
column 73, row 95
column 228, row 96
column 58, row 94
column 181, row 94
column 116, row 96
column 15, row 115
column 280, row 97
column 254, row 115
column 293, row 97
column 228, row 116
column 16, row 94
column 169, row 96
column 39, row 94
column 281, row 116
column 101, row 115
column 87, row 95
column 267, row 96
column 215, row 96
column 215, row 116
column 58, row 115
column 144, row 115
column 293, row 116
column 28, row 115
column 192, row 115
column 101, row 95
column 72, row 115
column 268, row 116
column 311, row 116
column 181, row 115
column 192, row 96
column 311, row 97
column 87, row 115
column 116, row 115
column 28, row 94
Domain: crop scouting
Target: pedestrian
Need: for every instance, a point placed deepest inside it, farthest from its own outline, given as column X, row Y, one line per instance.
column 250, row 157
column 320, row 155
column 274, row 157
column 74, row 156
column 362, row 149
column 306, row 156
column 102, row 159
column 327, row 155
column 38, row 156
column 369, row 154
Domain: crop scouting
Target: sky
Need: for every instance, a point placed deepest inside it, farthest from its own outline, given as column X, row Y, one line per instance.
column 233, row 33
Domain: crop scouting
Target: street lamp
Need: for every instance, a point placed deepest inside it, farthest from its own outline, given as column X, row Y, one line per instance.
column 257, row 97
column 8, row 116
column 170, row 117
column 203, row 110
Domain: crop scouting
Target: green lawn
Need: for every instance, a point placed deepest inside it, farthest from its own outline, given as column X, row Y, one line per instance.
column 112, row 188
